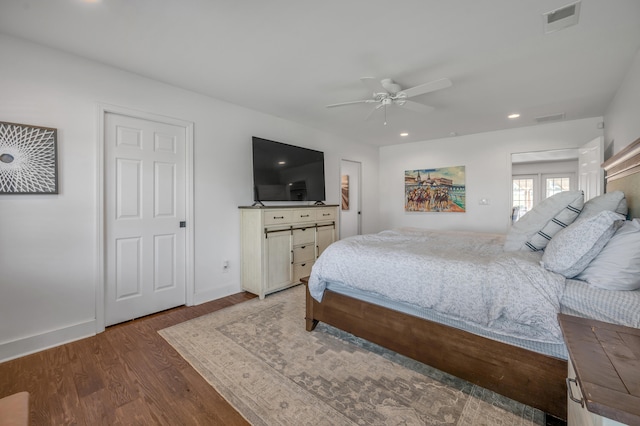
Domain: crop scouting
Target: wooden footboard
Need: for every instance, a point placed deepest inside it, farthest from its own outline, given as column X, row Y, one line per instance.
column 525, row 376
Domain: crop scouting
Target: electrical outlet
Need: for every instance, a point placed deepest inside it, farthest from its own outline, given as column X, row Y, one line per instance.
column 225, row 266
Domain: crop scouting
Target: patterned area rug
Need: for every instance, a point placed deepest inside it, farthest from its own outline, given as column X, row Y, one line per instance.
column 260, row 358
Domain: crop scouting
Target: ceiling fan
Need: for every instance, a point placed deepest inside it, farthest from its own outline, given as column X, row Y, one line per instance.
column 387, row 93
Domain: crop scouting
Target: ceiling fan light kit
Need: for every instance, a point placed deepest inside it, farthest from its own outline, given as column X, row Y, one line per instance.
column 386, row 93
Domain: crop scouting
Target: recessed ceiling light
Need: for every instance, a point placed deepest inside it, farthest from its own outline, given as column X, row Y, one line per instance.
column 282, row 162
column 512, row 116
column 403, row 134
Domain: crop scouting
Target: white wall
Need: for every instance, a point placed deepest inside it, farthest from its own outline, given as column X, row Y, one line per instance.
column 622, row 117
column 550, row 167
column 48, row 243
column 487, row 158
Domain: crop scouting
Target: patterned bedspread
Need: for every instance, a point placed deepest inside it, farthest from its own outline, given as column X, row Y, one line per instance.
column 466, row 276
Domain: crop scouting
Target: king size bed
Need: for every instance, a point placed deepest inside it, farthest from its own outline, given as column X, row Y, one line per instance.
column 489, row 313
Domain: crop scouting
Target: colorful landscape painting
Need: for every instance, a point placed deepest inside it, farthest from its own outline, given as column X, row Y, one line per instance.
column 435, row 190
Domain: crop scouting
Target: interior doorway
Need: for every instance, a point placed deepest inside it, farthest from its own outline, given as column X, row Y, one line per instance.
column 146, row 260
column 541, row 174
column 350, row 202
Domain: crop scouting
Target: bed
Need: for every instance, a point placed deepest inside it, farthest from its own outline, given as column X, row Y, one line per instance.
column 527, row 368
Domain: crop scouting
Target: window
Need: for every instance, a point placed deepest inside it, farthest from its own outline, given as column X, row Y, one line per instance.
column 529, row 190
column 522, row 196
column 557, row 184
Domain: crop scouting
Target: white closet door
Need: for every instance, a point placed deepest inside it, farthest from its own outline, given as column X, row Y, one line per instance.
column 145, row 201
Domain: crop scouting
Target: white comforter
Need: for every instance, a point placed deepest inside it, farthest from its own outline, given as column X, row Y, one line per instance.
column 466, row 276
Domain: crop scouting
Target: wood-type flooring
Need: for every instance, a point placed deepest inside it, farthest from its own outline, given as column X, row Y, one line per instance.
column 127, row 375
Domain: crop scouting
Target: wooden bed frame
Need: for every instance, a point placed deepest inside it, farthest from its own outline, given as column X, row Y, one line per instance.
column 529, row 377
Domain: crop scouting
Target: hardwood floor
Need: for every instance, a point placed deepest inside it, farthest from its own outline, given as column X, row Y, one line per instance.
column 127, row 375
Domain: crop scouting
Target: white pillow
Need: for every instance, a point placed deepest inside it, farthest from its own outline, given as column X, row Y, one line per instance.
column 617, row 267
column 613, row 201
column 534, row 230
column 573, row 248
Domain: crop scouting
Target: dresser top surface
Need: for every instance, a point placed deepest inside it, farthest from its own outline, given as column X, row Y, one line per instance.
column 606, row 358
column 302, row 206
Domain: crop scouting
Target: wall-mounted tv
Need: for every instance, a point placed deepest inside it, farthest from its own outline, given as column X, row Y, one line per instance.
column 283, row 172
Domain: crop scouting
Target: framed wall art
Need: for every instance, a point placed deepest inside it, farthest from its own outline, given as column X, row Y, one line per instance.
column 28, row 159
column 344, row 185
column 435, row 190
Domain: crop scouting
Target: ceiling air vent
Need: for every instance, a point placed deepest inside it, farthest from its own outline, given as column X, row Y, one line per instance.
column 552, row 117
column 562, row 18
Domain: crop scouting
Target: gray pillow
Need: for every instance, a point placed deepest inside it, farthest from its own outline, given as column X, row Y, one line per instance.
column 617, row 266
column 573, row 248
column 534, row 230
column 613, row 201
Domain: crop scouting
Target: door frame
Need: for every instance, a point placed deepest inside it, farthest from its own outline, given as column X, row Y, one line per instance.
column 104, row 109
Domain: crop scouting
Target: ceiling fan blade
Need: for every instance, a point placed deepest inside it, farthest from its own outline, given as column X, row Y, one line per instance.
column 416, row 107
column 372, row 111
column 374, row 85
column 364, row 101
column 432, row 86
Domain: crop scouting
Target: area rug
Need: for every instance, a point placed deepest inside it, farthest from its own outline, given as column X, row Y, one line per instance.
column 260, row 358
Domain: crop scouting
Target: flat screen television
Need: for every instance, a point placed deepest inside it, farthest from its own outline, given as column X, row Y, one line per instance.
column 283, row 172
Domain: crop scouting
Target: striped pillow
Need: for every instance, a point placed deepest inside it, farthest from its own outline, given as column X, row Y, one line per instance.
column 563, row 219
column 534, row 230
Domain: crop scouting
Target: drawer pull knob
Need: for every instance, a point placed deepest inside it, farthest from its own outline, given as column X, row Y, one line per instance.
column 278, row 217
column 303, row 264
column 570, row 392
column 304, row 215
column 302, row 247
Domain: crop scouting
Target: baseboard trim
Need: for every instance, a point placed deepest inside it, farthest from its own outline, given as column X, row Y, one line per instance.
column 32, row 344
column 218, row 293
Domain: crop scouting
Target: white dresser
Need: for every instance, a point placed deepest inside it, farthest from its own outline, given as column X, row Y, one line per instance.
column 280, row 244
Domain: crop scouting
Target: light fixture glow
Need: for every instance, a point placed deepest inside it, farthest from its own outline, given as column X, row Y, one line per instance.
column 282, row 162
column 512, row 116
column 403, row 134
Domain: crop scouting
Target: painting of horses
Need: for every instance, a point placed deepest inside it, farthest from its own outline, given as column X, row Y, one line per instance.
column 435, row 190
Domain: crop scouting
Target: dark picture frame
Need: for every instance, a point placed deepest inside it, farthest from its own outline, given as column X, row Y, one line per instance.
column 28, row 159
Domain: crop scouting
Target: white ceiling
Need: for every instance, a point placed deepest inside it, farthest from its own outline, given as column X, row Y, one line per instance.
column 290, row 58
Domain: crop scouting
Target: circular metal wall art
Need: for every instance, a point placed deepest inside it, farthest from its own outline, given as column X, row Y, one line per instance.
column 28, row 159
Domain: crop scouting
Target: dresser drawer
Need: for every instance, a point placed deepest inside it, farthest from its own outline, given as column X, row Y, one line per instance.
column 304, row 215
column 301, row 270
column 304, row 236
column 326, row 214
column 303, row 253
column 275, row 217
column 577, row 414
